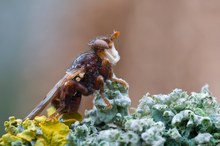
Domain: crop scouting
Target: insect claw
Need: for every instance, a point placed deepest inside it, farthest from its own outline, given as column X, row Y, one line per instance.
column 53, row 117
column 109, row 105
column 124, row 83
column 50, row 119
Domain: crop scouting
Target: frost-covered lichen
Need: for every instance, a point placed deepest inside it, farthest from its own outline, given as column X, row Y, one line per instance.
column 176, row 119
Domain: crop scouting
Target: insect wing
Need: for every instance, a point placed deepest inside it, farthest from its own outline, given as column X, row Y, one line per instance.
column 72, row 73
column 40, row 107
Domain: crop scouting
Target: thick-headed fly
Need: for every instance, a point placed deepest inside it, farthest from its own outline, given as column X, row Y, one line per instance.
column 88, row 73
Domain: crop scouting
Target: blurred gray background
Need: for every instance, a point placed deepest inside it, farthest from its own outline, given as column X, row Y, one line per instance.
column 163, row 45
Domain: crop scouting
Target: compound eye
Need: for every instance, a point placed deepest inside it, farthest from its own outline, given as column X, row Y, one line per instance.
column 109, row 42
column 99, row 44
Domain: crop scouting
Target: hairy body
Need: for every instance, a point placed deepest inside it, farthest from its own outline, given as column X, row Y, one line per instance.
column 87, row 73
column 95, row 71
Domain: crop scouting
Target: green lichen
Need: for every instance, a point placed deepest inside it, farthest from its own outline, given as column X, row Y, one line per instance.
column 176, row 119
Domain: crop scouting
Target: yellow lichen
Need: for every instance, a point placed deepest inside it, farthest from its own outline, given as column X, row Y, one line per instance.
column 29, row 132
column 70, row 118
column 7, row 139
column 54, row 132
column 41, row 131
column 51, row 110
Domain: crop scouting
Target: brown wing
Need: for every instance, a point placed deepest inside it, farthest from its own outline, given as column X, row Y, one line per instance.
column 40, row 107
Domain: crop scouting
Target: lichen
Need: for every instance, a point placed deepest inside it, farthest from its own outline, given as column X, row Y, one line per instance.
column 175, row 119
column 39, row 132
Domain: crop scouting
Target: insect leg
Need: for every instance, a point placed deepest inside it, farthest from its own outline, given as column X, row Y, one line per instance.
column 72, row 86
column 100, row 85
column 69, row 99
column 124, row 83
column 106, row 67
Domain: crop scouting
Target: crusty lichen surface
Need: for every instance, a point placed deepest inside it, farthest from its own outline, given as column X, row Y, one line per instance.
column 175, row 119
